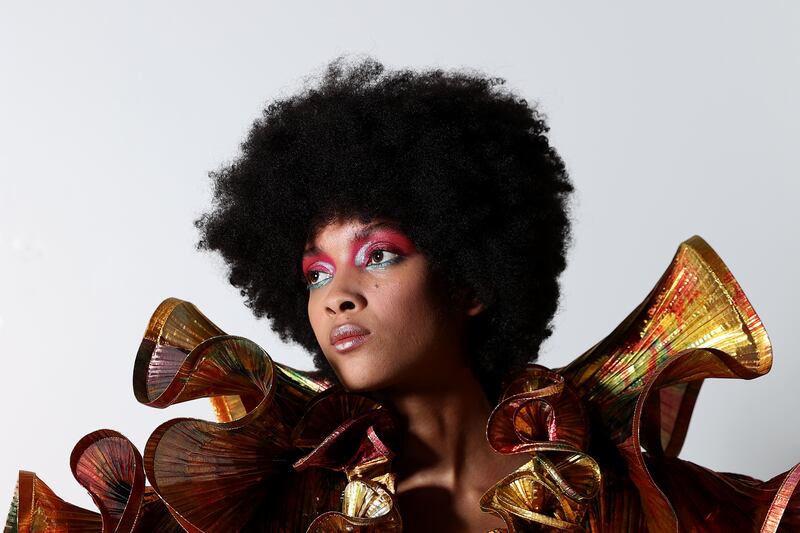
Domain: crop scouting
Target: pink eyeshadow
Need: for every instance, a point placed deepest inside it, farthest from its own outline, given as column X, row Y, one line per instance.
column 398, row 240
column 321, row 261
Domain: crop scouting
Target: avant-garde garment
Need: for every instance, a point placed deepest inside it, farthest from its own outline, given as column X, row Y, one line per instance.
column 293, row 452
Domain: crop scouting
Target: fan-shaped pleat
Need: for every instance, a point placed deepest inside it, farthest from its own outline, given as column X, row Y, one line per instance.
column 537, row 407
column 155, row 516
column 168, row 370
column 335, row 522
column 220, row 476
column 39, row 509
column 174, row 330
column 348, row 433
column 544, row 493
column 211, row 475
column 367, row 507
column 540, row 415
column 327, row 412
column 697, row 303
column 107, row 465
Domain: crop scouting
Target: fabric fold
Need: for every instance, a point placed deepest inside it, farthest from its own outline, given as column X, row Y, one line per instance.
column 110, row 468
column 540, row 415
column 354, row 435
column 224, row 475
column 697, row 304
column 676, row 494
column 639, row 386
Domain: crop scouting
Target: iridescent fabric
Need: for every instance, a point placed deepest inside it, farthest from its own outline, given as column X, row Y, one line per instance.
column 290, row 451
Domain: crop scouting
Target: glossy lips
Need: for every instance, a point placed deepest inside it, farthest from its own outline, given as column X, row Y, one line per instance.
column 348, row 337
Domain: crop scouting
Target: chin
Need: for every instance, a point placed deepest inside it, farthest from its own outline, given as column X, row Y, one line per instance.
column 356, row 379
column 359, row 383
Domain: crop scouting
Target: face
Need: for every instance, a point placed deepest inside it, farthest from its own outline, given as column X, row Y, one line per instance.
column 376, row 310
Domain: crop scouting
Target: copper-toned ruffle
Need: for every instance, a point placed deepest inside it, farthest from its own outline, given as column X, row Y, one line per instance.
column 235, row 474
column 352, row 434
column 37, row 508
column 110, row 468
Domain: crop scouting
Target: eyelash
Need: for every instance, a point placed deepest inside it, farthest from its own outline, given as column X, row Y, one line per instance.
column 386, row 263
column 369, row 266
column 316, row 284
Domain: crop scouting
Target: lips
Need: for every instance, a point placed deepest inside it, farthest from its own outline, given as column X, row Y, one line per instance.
column 348, row 337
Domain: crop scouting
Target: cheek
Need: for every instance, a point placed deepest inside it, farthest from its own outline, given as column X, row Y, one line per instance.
column 314, row 317
column 408, row 305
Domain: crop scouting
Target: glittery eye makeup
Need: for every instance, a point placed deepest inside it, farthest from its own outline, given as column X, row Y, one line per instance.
column 381, row 249
column 373, row 248
column 318, row 270
column 381, row 257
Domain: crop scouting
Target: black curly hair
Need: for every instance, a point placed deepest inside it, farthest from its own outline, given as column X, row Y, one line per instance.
column 460, row 163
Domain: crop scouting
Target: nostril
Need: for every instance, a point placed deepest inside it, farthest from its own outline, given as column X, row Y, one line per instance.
column 347, row 304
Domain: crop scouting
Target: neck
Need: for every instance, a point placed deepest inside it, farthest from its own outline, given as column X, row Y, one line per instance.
column 445, row 429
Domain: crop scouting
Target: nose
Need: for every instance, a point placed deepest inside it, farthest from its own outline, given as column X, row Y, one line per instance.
column 345, row 293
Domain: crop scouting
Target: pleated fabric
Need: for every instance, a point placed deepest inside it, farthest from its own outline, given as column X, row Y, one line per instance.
column 291, row 451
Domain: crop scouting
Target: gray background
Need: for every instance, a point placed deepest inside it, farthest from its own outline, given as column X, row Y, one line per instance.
column 675, row 118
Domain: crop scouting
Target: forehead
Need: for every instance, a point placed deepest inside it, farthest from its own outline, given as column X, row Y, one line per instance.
column 347, row 231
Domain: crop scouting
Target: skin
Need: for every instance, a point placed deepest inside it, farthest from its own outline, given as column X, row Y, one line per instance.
column 413, row 360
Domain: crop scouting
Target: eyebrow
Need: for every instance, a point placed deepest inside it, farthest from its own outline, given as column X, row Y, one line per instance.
column 372, row 228
column 359, row 236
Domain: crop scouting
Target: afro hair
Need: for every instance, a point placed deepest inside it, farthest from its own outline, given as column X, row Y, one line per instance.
column 463, row 165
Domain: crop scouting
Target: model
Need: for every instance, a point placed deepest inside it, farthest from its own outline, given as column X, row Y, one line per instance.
column 408, row 229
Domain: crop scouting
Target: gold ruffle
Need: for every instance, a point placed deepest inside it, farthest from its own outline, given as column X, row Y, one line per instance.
column 539, row 415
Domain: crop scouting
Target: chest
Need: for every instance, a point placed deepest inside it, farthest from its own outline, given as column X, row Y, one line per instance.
column 438, row 509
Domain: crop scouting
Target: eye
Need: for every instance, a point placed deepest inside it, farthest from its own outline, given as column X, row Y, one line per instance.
column 380, row 258
column 317, row 278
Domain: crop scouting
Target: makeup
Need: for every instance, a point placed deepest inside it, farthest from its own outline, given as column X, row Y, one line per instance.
column 318, row 269
column 374, row 247
column 348, row 337
column 390, row 240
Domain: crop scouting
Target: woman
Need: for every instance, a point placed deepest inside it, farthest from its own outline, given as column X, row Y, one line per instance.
column 434, row 174
column 408, row 229
column 459, row 163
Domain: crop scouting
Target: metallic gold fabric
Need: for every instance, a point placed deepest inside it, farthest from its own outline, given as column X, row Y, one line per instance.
column 289, row 451
column 639, row 386
column 696, row 305
column 540, row 416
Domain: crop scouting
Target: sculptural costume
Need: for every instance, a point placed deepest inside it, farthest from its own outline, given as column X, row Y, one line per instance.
column 292, row 451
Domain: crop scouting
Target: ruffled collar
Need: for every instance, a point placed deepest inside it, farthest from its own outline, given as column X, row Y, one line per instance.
column 289, row 450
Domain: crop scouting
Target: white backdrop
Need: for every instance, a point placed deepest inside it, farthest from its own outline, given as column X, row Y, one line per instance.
column 674, row 119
